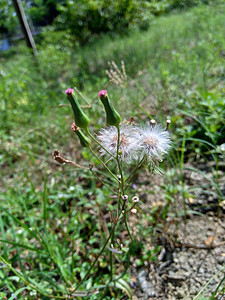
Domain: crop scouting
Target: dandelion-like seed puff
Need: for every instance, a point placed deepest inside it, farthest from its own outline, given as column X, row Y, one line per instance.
column 154, row 142
column 127, row 144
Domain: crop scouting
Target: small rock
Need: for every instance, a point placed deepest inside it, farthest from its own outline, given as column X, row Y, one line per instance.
column 182, row 259
column 180, row 294
column 221, row 260
column 176, row 260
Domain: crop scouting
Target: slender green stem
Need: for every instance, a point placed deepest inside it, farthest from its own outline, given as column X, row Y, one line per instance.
column 118, row 160
column 217, row 288
column 97, row 142
column 118, row 202
column 102, row 162
column 111, row 236
column 118, row 142
column 122, row 183
column 127, row 226
column 111, row 266
column 103, row 182
column 120, row 170
column 111, row 258
column 106, row 291
column 135, row 169
column 125, row 270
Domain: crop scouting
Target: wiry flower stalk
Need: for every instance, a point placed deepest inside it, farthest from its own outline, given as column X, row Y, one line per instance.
column 124, row 143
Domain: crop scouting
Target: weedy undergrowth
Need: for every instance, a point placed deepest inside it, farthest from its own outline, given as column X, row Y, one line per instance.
column 123, row 145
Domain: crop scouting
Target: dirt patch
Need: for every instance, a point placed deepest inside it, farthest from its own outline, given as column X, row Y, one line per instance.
column 192, row 253
column 181, row 271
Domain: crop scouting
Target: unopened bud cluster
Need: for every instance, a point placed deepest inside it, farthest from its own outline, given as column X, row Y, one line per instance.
column 136, row 142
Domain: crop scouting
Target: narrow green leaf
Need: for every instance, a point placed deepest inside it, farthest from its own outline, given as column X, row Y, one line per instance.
column 13, row 296
column 122, row 284
column 45, row 199
column 33, row 234
column 20, row 245
column 3, row 235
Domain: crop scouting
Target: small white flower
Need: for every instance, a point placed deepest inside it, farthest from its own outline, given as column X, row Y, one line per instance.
column 127, row 144
column 154, row 141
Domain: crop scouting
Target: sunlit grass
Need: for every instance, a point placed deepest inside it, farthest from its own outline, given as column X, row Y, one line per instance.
column 51, row 225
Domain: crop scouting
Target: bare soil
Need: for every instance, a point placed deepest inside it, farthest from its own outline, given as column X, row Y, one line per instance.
column 192, row 257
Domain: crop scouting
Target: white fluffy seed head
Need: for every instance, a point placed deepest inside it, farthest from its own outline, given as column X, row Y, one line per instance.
column 154, row 141
column 127, row 142
column 136, row 142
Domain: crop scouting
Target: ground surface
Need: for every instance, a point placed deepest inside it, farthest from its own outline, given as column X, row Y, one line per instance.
column 182, row 272
column 192, row 254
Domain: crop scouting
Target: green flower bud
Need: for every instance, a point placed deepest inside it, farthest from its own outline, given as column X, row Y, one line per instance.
column 85, row 142
column 80, row 117
column 112, row 116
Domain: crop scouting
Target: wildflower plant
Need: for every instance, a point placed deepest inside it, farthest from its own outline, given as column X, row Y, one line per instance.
column 123, row 145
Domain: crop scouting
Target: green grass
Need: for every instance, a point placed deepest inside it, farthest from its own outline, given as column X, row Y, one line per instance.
column 52, row 217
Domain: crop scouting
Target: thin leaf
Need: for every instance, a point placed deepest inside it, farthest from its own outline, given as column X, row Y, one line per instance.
column 20, row 245
column 201, row 142
column 33, row 234
column 3, row 235
column 122, row 284
column 13, row 296
column 45, row 198
column 205, row 286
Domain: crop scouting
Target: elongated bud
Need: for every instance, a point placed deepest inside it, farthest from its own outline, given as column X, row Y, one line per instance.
column 85, row 141
column 112, row 116
column 80, row 117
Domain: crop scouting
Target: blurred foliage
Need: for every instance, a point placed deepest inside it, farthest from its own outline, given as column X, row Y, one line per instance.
column 43, row 12
column 8, row 20
column 86, row 18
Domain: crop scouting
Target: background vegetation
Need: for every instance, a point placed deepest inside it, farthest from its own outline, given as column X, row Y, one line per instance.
column 52, row 217
column 86, row 18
